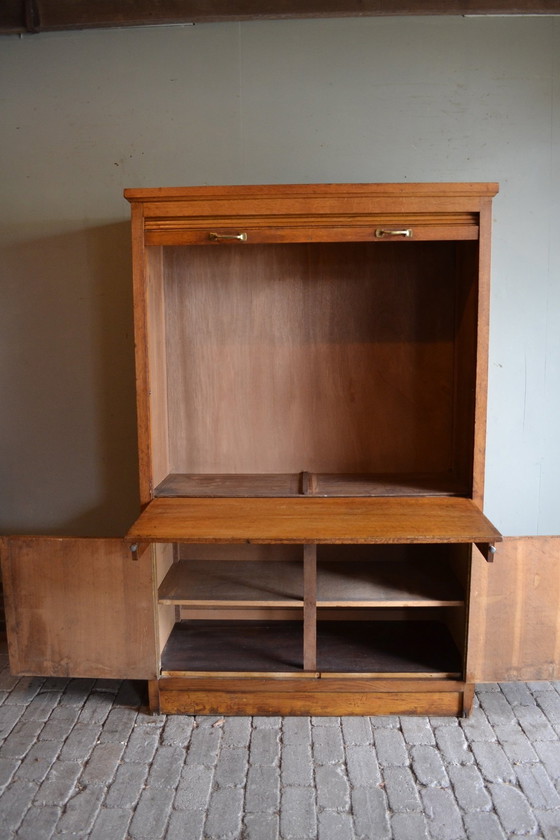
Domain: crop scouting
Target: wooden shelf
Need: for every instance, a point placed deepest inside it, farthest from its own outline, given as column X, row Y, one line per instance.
column 342, row 583
column 233, row 583
column 309, row 484
column 313, row 520
column 358, row 647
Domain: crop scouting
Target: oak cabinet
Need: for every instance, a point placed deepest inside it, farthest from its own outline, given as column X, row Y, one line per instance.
column 311, row 383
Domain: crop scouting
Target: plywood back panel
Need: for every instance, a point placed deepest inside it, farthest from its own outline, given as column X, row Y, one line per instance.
column 515, row 622
column 323, row 358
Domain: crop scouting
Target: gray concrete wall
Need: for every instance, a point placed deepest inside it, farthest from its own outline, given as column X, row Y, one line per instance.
column 85, row 114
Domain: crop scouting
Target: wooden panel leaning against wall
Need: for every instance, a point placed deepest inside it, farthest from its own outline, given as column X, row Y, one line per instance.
column 515, row 619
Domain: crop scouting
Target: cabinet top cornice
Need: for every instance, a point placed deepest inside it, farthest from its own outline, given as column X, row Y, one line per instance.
column 254, row 191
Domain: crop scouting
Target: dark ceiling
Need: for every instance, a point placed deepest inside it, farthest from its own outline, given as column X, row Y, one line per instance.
column 33, row 16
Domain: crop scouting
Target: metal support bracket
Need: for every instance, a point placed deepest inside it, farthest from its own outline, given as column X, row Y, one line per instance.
column 138, row 549
column 487, row 550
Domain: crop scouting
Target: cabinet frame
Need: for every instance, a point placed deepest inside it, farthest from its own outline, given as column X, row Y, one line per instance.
column 299, row 508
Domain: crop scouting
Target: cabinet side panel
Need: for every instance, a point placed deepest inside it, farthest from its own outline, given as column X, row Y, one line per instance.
column 157, row 367
column 78, row 608
column 482, row 339
column 515, row 612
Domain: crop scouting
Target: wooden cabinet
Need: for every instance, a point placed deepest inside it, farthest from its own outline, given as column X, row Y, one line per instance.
column 311, row 401
column 311, row 381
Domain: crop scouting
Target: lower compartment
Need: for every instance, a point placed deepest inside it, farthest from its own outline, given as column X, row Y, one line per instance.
column 363, row 647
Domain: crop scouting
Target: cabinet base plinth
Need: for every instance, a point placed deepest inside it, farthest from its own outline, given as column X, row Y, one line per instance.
column 314, row 696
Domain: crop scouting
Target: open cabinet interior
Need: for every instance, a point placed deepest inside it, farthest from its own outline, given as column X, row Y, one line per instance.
column 328, row 369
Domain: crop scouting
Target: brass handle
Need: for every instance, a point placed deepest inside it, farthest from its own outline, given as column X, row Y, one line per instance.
column 242, row 237
column 381, row 232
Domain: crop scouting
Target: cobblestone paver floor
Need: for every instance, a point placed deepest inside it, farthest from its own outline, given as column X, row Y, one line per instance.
column 83, row 759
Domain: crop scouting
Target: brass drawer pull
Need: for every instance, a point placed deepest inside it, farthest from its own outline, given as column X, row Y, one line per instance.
column 242, row 237
column 381, row 232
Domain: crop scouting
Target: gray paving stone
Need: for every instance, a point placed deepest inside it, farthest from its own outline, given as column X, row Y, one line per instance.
column 333, row 790
column 401, row 789
column 141, row 745
column 477, row 727
column 16, row 800
column 517, row 694
column 409, row 827
column 76, row 692
column 537, row 787
column 483, row 826
column 266, row 722
column 225, row 812
column 363, row 767
column 497, row 708
column 428, row 766
column 80, row 742
column 369, row 808
column 262, row 794
column 25, row 690
column 325, row 721
column 60, row 783
column 261, row 827
column 539, row 685
column 297, row 813
column 513, row 809
column 385, row 722
column 127, row 786
column 8, row 767
column 265, row 746
column 535, row 724
column 41, row 707
column 178, row 729
column 296, row 764
column 231, row 769
column 356, row 730
column 549, row 753
column 469, row 788
column 185, row 825
column 390, row 747
column 166, row 767
column 328, row 747
column 549, row 702
column 236, row 731
column 149, row 821
column 38, row 761
column 549, row 822
column 446, row 720
column 515, row 744
column 7, row 680
column 81, row 811
column 102, row 764
column 417, row 730
column 296, row 730
column 39, row 823
column 195, row 785
column 493, row 762
column 118, row 726
column 442, row 814
column 111, row 824
column 204, row 745
column 335, row 826
column 453, row 745
column 59, row 726
column 21, row 739
column 9, row 716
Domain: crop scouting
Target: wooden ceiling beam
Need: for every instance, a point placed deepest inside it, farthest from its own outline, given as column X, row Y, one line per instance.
column 20, row 16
